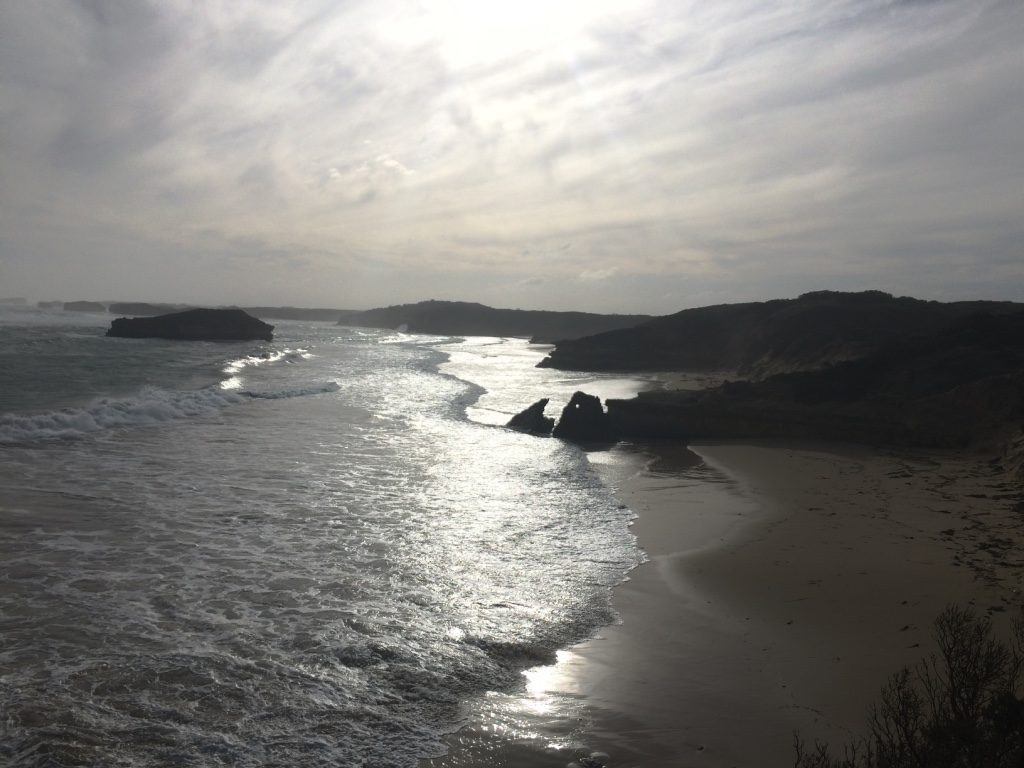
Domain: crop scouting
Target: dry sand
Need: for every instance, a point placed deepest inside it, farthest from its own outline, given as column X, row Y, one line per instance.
column 784, row 586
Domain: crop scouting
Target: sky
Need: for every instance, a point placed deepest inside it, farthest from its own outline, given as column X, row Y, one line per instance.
column 641, row 156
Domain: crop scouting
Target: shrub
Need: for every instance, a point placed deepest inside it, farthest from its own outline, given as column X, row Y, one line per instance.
column 959, row 708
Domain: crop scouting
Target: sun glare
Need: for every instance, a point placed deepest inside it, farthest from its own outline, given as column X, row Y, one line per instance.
column 476, row 32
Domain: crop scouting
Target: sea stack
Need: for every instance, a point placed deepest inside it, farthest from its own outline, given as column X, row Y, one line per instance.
column 532, row 420
column 584, row 420
column 195, row 325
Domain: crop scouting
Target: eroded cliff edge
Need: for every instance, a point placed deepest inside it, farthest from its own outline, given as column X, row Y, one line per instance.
column 947, row 376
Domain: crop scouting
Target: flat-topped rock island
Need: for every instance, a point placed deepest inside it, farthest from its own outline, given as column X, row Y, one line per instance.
column 195, row 325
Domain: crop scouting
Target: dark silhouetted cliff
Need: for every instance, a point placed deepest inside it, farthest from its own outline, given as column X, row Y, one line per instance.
column 458, row 318
column 759, row 339
column 961, row 386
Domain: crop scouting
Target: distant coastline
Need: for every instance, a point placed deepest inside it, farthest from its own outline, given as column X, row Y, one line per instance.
column 864, row 367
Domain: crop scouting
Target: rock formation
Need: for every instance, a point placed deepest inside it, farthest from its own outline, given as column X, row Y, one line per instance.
column 583, row 420
column 195, row 325
column 532, row 420
column 961, row 387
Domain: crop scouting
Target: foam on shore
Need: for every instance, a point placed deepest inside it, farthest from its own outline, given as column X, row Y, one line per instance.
column 784, row 585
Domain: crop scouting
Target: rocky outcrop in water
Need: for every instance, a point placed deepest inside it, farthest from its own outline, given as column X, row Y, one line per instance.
column 532, row 420
column 962, row 387
column 195, row 325
column 584, row 420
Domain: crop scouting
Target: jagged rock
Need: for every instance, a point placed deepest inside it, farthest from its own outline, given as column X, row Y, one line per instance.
column 532, row 420
column 584, row 420
column 195, row 325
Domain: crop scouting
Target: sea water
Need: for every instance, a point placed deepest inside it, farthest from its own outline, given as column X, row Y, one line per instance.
column 310, row 552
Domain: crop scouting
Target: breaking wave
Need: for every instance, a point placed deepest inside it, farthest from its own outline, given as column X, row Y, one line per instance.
column 152, row 406
column 286, row 355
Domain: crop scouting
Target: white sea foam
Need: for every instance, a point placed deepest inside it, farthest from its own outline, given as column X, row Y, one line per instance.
column 151, row 406
column 318, row 581
column 286, row 355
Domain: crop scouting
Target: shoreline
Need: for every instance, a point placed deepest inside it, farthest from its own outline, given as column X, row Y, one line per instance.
column 784, row 585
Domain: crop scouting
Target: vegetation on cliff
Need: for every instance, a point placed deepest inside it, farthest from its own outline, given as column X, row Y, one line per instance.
column 962, row 707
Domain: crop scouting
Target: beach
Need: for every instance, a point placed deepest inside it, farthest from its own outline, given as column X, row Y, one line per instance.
column 783, row 586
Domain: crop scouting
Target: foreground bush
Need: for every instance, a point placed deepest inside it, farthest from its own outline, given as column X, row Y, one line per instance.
column 959, row 708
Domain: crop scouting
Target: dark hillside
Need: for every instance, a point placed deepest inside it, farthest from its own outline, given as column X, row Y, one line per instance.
column 962, row 386
column 759, row 339
column 458, row 318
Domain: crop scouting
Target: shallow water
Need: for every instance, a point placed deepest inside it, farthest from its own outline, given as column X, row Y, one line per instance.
column 295, row 553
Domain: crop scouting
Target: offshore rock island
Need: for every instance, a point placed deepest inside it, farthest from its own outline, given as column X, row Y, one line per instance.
column 195, row 325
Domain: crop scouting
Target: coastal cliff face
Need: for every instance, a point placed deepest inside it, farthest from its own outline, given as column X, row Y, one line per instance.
column 458, row 318
column 963, row 386
column 761, row 339
column 195, row 325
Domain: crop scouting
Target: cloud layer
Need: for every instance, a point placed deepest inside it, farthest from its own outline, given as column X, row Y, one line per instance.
column 601, row 155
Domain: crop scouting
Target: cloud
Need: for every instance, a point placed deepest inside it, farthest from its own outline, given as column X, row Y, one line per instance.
column 597, row 274
column 708, row 147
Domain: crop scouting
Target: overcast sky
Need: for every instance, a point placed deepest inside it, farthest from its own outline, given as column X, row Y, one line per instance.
column 582, row 154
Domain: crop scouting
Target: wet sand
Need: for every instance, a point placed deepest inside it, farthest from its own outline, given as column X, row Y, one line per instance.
column 784, row 585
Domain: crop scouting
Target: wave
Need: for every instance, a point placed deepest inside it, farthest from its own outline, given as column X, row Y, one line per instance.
column 151, row 407
column 287, row 355
column 317, row 389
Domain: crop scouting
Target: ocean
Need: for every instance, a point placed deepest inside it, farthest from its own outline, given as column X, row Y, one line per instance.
column 317, row 551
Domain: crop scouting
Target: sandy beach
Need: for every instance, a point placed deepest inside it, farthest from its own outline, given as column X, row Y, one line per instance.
column 783, row 586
